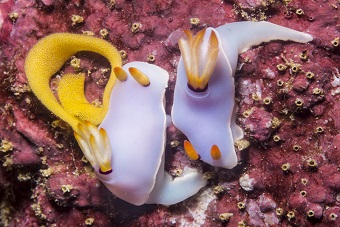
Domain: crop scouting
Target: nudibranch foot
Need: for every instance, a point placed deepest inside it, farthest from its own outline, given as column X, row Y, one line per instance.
column 170, row 191
column 95, row 145
column 206, row 113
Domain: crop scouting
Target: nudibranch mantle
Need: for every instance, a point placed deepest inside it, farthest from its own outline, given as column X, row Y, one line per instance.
column 206, row 113
column 135, row 125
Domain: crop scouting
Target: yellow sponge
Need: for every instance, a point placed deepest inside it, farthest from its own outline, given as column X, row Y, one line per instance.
column 49, row 55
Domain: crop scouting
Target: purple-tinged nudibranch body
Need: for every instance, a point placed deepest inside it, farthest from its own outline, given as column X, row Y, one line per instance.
column 127, row 150
column 135, row 137
column 203, row 106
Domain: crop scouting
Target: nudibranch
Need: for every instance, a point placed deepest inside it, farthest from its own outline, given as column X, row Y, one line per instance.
column 203, row 107
column 127, row 149
column 135, row 127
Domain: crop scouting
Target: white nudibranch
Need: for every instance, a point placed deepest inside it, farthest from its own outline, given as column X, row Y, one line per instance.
column 127, row 150
column 203, row 107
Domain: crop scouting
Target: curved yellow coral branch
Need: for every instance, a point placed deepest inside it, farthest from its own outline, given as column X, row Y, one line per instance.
column 49, row 55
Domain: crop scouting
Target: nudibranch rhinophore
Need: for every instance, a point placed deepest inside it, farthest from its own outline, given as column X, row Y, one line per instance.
column 127, row 150
column 130, row 158
column 203, row 107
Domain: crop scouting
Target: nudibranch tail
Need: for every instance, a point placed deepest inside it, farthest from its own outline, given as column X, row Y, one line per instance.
column 235, row 40
column 139, row 76
column 190, row 150
column 95, row 145
column 199, row 58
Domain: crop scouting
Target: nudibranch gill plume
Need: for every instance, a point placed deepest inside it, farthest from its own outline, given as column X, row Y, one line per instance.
column 203, row 107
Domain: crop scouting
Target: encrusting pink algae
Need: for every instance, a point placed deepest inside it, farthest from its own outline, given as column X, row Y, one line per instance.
column 288, row 98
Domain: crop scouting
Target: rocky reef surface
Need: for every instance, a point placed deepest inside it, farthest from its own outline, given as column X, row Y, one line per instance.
column 288, row 97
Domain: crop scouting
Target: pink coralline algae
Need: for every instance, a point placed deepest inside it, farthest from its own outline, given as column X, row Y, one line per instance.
column 287, row 94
